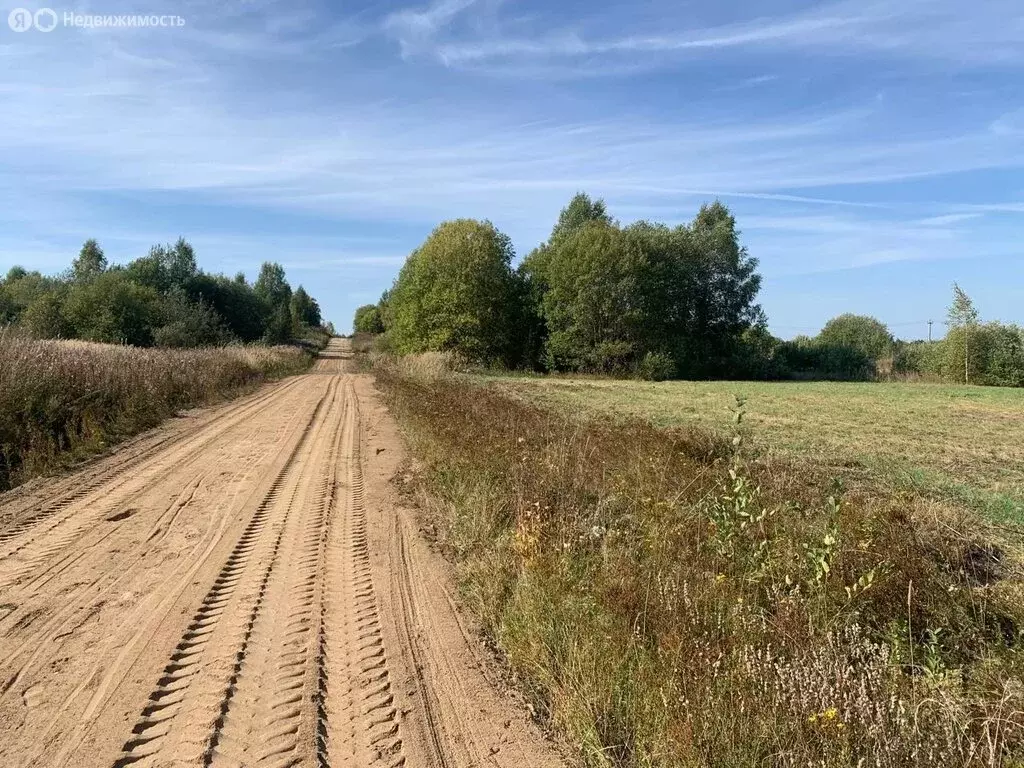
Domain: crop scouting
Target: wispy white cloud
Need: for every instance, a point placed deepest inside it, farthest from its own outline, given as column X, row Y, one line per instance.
column 415, row 29
column 1009, row 207
column 946, row 219
column 748, row 83
column 930, row 29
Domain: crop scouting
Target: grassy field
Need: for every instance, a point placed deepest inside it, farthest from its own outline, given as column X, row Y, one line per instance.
column 665, row 601
column 954, row 442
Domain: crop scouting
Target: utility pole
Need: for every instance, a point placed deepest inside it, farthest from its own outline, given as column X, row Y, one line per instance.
column 930, row 331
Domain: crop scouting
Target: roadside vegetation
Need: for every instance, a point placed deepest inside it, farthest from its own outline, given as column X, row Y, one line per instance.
column 63, row 400
column 666, row 598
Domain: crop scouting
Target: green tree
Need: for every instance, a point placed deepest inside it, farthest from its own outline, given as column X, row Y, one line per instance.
column 167, row 268
column 722, row 281
column 272, row 286
column 962, row 314
column 1004, row 366
column 91, row 262
column 163, row 298
column 186, row 323
column 113, row 309
column 180, row 263
column 280, row 327
column 304, row 308
column 367, row 320
column 273, row 290
column 580, row 211
column 150, row 270
column 612, row 298
column 592, row 306
column 869, row 336
column 242, row 311
column 457, row 292
column 384, row 310
column 20, row 289
column 44, row 318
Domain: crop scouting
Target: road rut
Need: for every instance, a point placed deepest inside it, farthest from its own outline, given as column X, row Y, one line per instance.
column 243, row 588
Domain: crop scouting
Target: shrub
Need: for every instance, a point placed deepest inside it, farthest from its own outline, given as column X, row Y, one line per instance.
column 657, row 366
column 870, row 338
column 994, row 355
column 1004, row 366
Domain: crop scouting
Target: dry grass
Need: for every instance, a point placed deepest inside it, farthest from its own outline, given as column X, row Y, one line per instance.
column 668, row 602
column 953, row 442
column 423, row 367
column 62, row 399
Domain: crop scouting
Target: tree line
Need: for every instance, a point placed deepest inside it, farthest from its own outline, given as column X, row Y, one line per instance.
column 645, row 300
column 161, row 299
column 859, row 347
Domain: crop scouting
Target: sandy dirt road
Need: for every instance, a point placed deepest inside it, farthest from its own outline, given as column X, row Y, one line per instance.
column 241, row 588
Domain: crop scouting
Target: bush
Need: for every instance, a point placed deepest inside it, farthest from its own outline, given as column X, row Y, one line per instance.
column 995, row 355
column 813, row 359
column 870, row 338
column 44, row 318
column 187, row 324
column 1004, row 364
column 362, row 343
column 657, row 366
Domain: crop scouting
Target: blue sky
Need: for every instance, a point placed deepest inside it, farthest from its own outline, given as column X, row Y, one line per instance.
column 871, row 150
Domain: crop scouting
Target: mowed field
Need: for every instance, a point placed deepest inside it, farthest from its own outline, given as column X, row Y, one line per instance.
column 964, row 444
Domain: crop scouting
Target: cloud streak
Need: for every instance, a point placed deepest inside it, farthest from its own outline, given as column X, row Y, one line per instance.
column 924, row 29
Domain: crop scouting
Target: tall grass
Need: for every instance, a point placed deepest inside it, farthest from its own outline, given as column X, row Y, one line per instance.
column 665, row 602
column 62, row 399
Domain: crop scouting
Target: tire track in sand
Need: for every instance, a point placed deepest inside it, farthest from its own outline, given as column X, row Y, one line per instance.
column 65, row 510
column 185, row 709
column 358, row 722
column 266, row 717
column 77, row 600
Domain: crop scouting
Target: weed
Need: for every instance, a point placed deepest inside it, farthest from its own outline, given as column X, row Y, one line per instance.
column 667, row 599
